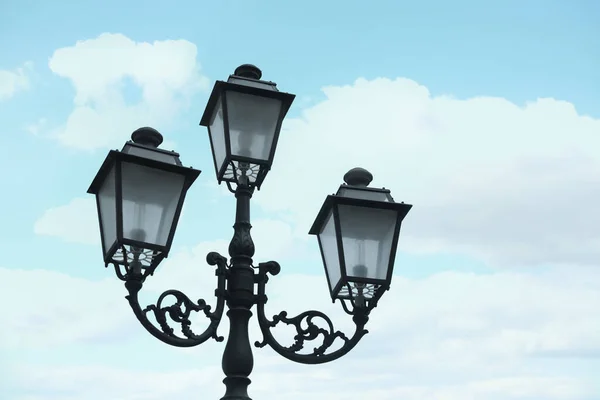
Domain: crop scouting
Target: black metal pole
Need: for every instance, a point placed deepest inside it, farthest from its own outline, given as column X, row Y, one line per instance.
column 237, row 358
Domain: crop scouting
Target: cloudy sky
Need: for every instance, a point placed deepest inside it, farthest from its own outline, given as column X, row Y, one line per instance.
column 484, row 115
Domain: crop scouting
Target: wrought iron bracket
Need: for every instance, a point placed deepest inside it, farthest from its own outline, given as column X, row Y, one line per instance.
column 180, row 311
column 310, row 332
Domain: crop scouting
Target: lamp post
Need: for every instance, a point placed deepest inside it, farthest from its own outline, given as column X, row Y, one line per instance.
column 140, row 191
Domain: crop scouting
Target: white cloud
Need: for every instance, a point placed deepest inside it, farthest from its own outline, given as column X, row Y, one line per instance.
column 508, row 184
column 166, row 72
column 14, row 81
column 102, row 382
column 449, row 336
column 75, row 222
column 59, row 309
column 98, row 382
column 37, row 127
column 92, row 312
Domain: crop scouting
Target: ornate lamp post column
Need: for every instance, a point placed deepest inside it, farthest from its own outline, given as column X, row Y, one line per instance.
column 140, row 192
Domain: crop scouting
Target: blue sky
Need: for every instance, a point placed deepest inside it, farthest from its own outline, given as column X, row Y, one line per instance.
column 484, row 115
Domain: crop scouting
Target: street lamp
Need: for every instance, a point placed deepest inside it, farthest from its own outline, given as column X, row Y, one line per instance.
column 140, row 191
column 243, row 117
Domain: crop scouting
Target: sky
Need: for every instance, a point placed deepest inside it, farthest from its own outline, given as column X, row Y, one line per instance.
column 483, row 115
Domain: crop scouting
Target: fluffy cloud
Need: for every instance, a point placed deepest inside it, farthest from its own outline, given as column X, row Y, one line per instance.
column 166, row 73
column 449, row 336
column 75, row 222
column 14, row 81
column 101, row 382
column 97, row 382
column 37, row 127
column 100, row 313
column 59, row 309
column 513, row 185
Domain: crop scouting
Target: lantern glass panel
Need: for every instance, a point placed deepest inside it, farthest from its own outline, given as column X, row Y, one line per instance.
column 108, row 210
column 252, row 124
column 150, row 200
column 329, row 248
column 216, row 129
column 367, row 237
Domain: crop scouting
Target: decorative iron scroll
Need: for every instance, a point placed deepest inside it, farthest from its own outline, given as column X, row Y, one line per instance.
column 180, row 311
column 310, row 332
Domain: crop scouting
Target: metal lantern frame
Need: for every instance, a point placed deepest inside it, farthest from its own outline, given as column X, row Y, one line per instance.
column 114, row 160
column 241, row 283
column 246, row 80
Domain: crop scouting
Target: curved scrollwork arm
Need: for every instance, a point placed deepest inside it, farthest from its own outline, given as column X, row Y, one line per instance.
column 179, row 311
column 310, row 332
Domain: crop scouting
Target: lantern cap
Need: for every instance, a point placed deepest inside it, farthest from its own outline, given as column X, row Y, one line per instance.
column 358, row 177
column 248, row 71
column 147, row 136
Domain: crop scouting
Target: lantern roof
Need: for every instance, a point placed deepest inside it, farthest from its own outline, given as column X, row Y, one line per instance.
column 142, row 148
column 355, row 191
column 245, row 79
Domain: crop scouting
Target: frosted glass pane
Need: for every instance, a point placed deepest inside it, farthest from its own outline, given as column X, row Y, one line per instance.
column 150, row 199
column 252, row 122
column 216, row 129
column 328, row 243
column 367, row 236
column 108, row 210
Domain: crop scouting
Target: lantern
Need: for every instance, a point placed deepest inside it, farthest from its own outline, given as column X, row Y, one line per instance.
column 139, row 195
column 358, row 230
column 244, row 117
